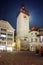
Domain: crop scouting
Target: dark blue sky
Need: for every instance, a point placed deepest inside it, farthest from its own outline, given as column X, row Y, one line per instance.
column 9, row 9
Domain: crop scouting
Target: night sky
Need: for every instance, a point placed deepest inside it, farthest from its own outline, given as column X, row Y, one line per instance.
column 9, row 9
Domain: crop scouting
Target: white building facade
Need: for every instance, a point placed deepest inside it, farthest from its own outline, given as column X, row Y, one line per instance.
column 34, row 40
column 6, row 36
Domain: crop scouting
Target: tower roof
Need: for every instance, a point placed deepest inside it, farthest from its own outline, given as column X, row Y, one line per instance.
column 34, row 28
column 22, row 9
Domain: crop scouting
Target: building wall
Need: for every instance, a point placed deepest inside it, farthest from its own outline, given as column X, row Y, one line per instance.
column 33, row 36
column 22, row 25
column 34, row 40
column 6, row 34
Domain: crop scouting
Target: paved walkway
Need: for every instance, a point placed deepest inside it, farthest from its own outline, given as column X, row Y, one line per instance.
column 20, row 58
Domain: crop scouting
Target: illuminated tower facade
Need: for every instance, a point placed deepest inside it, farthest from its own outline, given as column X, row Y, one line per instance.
column 22, row 28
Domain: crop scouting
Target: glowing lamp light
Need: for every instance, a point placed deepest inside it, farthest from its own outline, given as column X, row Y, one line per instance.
column 13, row 44
column 2, row 47
column 3, row 35
column 9, row 49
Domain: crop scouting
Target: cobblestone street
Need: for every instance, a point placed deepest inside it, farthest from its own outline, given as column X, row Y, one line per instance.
column 20, row 58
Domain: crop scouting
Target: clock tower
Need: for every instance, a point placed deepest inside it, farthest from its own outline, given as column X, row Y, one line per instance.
column 22, row 28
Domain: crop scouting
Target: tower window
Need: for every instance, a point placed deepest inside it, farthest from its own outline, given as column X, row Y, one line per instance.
column 25, row 39
column 35, row 33
column 36, row 40
column 31, row 40
column 31, row 33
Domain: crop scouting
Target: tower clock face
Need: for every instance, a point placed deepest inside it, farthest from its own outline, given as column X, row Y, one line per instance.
column 25, row 17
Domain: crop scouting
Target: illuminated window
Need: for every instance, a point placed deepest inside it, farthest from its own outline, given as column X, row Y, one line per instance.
column 3, row 35
column 42, row 39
